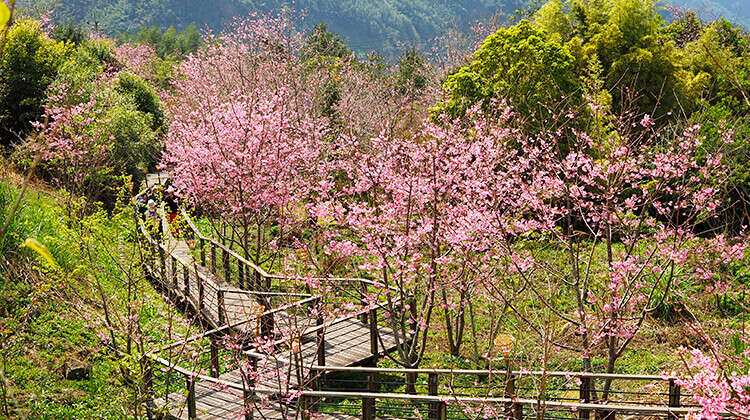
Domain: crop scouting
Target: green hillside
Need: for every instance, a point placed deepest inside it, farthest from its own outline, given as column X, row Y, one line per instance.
column 736, row 11
column 366, row 24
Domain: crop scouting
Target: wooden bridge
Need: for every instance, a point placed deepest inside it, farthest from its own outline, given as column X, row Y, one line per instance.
column 230, row 294
column 305, row 366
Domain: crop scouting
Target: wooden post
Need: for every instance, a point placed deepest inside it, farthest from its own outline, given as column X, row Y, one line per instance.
column 220, row 303
column 585, row 397
column 201, row 290
column 266, row 319
column 674, row 398
column 192, row 412
column 373, row 315
column 437, row 409
column 174, row 275
column 241, row 275
column 266, row 324
column 215, row 372
column 364, row 316
column 227, row 268
column 247, row 398
column 202, row 244
column 213, row 258
column 512, row 410
column 368, row 404
column 186, row 280
column 317, row 385
column 321, row 342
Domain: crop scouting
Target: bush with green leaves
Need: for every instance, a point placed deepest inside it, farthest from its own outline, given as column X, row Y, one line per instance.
column 522, row 64
column 143, row 96
column 641, row 69
column 28, row 65
column 90, row 145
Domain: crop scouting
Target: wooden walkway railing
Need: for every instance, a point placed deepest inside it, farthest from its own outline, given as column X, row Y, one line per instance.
column 446, row 393
column 338, row 390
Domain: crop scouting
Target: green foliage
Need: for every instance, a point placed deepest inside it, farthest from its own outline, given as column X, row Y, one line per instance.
column 686, row 29
column 329, row 98
column 551, row 17
column 412, row 73
column 642, row 66
column 522, row 64
column 323, row 43
column 135, row 149
column 51, row 315
column 170, row 44
column 144, row 97
column 28, row 65
column 641, row 70
column 714, row 120
column 69, row 32
column 126, row 120
column 366, row 25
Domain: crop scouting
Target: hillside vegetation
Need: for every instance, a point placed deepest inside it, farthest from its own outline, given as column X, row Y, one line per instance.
column 366, row 25
column 568, row 191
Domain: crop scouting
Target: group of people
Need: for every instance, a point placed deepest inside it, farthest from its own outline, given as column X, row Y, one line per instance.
column 146, row 207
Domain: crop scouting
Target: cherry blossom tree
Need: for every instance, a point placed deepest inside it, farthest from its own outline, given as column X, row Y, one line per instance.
column 92, row 135
column 717, row 380
column 138, row 58
column 402, row 212
column 608, row 215
column 244, row 141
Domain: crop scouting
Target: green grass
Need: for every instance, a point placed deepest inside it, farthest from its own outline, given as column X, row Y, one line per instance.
column 50, row 314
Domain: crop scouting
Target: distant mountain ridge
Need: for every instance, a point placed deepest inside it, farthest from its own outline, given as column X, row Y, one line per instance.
column 736, row 11
column 366, row 25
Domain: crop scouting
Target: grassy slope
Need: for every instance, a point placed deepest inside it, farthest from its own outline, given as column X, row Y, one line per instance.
column 51, row 314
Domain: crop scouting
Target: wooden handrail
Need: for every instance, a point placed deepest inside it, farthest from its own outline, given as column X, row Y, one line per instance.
column 229, row 327
column 263, row 273
column 474, row 372
column 213, row 241
column 254, row 292
column 640, row 409
column 521, row 373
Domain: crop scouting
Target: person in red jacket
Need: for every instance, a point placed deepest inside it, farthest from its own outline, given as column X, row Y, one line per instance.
column 170, row 200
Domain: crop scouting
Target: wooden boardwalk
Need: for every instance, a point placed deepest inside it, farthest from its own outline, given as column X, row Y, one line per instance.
column 216, row 403
column 347, row 344
column 347, row 341
column 238, row 305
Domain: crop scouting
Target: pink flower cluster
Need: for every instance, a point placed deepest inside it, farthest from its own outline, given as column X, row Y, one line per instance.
column 138, row 58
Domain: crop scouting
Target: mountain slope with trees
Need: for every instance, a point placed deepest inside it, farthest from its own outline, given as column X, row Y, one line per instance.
column 367, row 24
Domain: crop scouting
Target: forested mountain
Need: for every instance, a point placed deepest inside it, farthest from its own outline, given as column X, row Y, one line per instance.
column 365, row 24
column 736, row 11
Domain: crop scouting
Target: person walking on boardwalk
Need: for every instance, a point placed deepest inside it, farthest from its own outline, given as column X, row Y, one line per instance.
column 152, row 218
column 170, row 199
